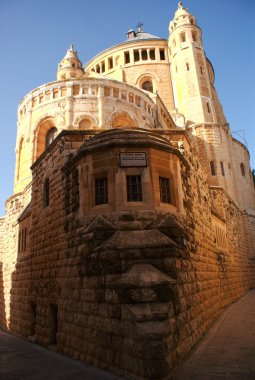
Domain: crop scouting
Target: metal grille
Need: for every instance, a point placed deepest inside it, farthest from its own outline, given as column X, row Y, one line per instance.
column 164, row 186
column 101, row 191
column 134, row 188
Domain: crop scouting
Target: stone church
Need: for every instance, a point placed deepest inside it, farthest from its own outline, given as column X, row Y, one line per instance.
column 132, row 223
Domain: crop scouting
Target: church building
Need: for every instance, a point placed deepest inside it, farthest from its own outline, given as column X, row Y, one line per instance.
column 132, row 223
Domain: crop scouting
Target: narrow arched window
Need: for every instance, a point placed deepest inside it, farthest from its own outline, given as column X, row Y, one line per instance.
column 182, row 37
column 222, row 168
column 147, row 86
column 46, row 193
column 19, row 157
column 242, row 167
column 50, row 136
column 212, row 166
column 187, row 66
column 194, row 36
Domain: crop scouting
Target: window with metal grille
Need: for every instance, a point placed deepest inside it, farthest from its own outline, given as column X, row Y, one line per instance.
column 134, row 188
column 101, row 191
column 164, row 188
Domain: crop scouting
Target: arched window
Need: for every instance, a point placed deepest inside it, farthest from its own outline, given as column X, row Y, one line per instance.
column 50, row 136
column 212, row 166
column 222, row 168
column 147, row 86
column 242, row 167
column 20, row 157
column 187, row 66
column 194, row 35
column 183, row 37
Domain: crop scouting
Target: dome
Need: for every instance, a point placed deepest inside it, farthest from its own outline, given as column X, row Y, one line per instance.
column 143, row 36
column 140, row 34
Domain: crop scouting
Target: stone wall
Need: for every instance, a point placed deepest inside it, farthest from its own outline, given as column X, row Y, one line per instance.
column 2, row 234
column 2, row 305
column 14, row 207
column 130, row 291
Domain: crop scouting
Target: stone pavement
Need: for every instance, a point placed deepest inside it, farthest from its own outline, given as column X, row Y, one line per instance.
column 227, row 351
column 22, row 360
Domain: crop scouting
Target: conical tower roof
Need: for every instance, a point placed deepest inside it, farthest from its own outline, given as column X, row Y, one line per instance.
column 182, row 17
column 70, row 67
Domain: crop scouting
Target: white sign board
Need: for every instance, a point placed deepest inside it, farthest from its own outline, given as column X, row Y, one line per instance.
column 133, row 159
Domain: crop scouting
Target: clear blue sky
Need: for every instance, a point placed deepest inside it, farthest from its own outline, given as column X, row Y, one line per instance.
column 34, row 37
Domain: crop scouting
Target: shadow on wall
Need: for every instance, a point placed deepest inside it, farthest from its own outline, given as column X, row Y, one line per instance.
column 2, row 303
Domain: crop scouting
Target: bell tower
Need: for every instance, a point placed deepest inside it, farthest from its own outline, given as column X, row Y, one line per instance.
column 191, row 72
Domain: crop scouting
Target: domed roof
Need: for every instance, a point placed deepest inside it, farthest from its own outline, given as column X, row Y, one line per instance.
column 132, row 37
column 143, row 36
column 139, row 34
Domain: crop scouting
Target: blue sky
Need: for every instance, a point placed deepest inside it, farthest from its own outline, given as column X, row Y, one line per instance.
column 34, row 36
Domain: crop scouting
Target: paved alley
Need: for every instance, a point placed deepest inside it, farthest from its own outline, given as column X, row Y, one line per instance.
column 227, row 351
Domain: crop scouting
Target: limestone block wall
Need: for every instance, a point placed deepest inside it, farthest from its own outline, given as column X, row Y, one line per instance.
column 2, row 250
column 14, row 206
column 26, row 270
column 2, row 235
column 243, row 176
column 130, row 291
column 231, row 162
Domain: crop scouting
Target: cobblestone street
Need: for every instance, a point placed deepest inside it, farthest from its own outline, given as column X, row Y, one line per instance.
column 22, row 360
column 227, row 351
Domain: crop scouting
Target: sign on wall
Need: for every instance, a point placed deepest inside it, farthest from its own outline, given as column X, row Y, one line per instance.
column 133, row 159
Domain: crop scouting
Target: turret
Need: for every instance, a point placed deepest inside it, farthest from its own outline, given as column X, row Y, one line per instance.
column 192, row 73
column 70, row 67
